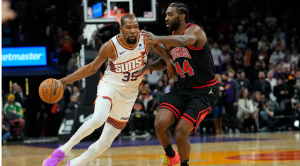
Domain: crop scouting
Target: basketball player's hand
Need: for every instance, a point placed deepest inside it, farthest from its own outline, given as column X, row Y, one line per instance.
column 171, row 71
column 149, row 37
column 144, row 71
column 7, row 12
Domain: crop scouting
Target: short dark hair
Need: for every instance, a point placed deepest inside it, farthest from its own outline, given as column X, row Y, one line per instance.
column 125, row 17
column 182, row 8
column 225, row 73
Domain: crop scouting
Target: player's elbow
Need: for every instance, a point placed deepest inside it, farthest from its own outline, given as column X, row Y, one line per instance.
column 92, row 69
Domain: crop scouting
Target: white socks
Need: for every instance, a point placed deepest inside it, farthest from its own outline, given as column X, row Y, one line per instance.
column 100, row 115
column 107, row 137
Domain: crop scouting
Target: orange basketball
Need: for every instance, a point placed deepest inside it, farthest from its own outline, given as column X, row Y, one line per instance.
column 51, row 91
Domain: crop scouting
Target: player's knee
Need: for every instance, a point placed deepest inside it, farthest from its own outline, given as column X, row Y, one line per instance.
column 96, row 123
column 160, row 125
column 180, row 135
column 105, row 145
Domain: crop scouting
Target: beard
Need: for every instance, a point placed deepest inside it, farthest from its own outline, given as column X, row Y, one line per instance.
column 174, row 26
column 131, row 41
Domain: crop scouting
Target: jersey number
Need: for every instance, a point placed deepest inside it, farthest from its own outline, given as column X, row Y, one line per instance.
column 186, row 69
column 127, row 76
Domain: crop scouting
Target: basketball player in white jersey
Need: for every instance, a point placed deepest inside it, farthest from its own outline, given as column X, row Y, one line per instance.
column 117, row 90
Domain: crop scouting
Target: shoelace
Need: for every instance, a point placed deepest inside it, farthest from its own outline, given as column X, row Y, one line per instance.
column 167, row 161
column 55, row 158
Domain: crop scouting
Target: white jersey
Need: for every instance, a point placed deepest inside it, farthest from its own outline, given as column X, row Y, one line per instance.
column 128, row 61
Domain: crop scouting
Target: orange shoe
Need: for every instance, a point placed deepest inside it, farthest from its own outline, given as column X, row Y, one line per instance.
column 170, row 161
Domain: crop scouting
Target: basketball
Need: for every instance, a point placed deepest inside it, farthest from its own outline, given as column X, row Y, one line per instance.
column 51, row 91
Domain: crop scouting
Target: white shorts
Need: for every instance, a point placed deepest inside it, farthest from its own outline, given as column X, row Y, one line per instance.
column 122, row 100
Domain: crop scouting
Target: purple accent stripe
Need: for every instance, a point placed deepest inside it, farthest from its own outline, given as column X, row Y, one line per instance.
column 115, row 49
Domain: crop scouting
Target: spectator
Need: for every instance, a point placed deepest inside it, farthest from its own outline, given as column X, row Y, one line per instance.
column 5, row 130
column 221, row 39
column 263, row 43
column 277, row 41
column 138, row 115
column 271, row 20
column 262, row 85
column 169, row 87
column 154, row 78
column 282, row 90
column 21, row 37
column 14, row 108
column 153, row 106
column 278, row 71
column 231, row 99
column 216, row 54
column 66, row 48
column 273, row 81
column 243, row 82
column 238, row 58
column 295, row 56
column 225, row 60
column 72, row 64
column 144, row 99
column 265, row 117
column 246, row 110
column 74, row 103
column 76, row 91
column 253, row 38
column 257, row 97
column 14, row 87
column 241, row 38
column 277, row 56
column 219, row 107
column 286, row 70
column 21, row 97
column 254, row 72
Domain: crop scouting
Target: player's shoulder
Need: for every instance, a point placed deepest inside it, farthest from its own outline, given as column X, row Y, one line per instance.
column 192, row 28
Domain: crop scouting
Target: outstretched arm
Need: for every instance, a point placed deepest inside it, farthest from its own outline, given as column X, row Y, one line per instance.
column 106, row 51
column 162, row 63
column 192, row 36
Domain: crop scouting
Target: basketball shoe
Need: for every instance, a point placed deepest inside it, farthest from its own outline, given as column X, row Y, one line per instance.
column 170, row 161
column 69, row 163
column 55, row 158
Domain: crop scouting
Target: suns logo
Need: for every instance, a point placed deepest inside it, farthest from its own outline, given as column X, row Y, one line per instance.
column 129, row 65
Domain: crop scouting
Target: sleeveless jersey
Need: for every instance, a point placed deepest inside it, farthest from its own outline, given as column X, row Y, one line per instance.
column 195, row 66
column 127, row 62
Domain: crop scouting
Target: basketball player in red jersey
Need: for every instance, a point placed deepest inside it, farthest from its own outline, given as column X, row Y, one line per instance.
column 196, row 90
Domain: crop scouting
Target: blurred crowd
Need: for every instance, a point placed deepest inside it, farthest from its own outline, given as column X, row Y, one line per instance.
column 255, row 51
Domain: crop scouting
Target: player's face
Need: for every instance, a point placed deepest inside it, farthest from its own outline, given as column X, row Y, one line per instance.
column 172, row 19
column 130, row 30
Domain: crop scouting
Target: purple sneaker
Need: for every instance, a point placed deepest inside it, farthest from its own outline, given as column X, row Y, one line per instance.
column 55, row 158
column 69, row 163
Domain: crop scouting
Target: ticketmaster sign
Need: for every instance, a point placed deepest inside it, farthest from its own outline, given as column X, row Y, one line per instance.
column 24, row 56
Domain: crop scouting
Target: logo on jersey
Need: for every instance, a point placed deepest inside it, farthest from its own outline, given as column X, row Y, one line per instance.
column 129, row 65
column 124, row 118
column 180, row 52
column 141, row 47
column 121, row 53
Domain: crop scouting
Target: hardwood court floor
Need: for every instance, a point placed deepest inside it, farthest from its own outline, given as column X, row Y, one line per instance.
column 268, row 149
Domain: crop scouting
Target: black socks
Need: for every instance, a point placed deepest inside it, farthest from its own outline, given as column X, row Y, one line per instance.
column 169, row 151
column 185, row 163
